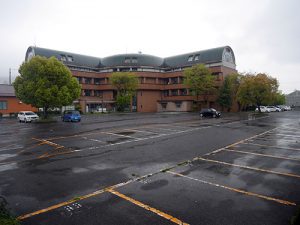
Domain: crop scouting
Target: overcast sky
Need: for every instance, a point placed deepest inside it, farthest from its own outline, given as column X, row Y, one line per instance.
column 264, row 34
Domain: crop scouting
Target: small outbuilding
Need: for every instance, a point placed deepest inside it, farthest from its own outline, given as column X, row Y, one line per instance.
column 9, row 103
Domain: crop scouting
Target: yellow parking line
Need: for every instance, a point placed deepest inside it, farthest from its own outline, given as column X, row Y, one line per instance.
column 147, row 207
column 25, row 216
column 249, row 167
column 263, row 155
column 274, row 146
column 284, row 202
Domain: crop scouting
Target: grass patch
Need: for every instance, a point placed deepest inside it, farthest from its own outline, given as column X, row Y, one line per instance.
column 296, row 218
column 76, row 198
column 5, row 217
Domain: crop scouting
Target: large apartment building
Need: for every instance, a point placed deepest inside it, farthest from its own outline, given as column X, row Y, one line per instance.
column 160, row 86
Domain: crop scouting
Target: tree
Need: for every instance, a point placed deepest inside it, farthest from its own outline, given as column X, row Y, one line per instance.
column 227, row 93
column 46, row 83
column 278, row 98
column 126, row 84
column 257, row 89
column 200, row 80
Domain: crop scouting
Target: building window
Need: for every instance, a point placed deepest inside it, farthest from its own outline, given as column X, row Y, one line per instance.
column 87, row 92
column 174, row 92
column 166, row 93
column 134, row 60
column 196, row 57
column 79, row 79
column 127, row 60
column 63, row 58
column 88, row 80
column 98, row 93
column 70, row 58
column 183, row 92
column 3, row 105
column 163, row 105
column 190, row 59
column 178, row 104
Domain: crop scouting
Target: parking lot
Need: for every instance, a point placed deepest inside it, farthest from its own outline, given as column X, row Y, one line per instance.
column 153, row 169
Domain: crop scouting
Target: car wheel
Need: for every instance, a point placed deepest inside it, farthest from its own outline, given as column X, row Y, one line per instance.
column 201, row 115
column 214, row 116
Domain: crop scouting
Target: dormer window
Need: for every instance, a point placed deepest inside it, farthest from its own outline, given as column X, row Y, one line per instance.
column 196, row 57
column 134, row 60
column 190, row 58
column 127, row 60
column 70, row 58
column 63, row 58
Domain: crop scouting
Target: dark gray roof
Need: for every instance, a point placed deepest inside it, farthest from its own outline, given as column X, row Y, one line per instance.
column 210, row 56
column 7, row 90
column 132, row 60
column 78, row 60
column 213, row 55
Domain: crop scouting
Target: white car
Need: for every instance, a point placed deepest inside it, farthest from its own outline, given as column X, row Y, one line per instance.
column 273, row 109
column 263, row 109
column 27, row 116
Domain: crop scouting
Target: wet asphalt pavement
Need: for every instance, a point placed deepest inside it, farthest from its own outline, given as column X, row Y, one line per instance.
column 163, row 168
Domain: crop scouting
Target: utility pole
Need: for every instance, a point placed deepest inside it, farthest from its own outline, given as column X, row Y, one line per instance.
column 9, row 78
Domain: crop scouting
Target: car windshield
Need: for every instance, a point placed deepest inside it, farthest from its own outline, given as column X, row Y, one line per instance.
column 30, row 114
column 72, row 112
column 213, row 110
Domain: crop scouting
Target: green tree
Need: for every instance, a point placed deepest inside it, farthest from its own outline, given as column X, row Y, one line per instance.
column 279, row 98
column 200, row 80
column 257, row 89
column 126, row 84
column 227, row 93
column 46, row 83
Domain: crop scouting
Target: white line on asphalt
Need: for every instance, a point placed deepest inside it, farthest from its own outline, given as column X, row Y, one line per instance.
column 142, row 131
column 120, row 135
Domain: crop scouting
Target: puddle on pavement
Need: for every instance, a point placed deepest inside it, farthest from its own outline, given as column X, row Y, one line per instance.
column 6, row 156
column 117, row 140
column 125, row 133
column 155, row 185
column 9, row 166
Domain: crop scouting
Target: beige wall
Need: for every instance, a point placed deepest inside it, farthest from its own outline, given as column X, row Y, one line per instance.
column 147, row 101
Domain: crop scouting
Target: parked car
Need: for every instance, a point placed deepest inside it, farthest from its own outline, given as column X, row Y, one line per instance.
column 263, row 109
column 101, row 110
column 71, row 116
column 27, row 116
column 209, row 112
column 273, row 109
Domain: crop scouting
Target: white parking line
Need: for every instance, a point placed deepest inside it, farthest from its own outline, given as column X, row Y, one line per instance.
column 120, row 135
column 273, row 146
column 275, row 139
column 286, row 135
column 142, row 131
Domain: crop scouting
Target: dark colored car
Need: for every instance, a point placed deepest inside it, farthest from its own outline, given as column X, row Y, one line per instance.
column 71, row 115
column 210, row 112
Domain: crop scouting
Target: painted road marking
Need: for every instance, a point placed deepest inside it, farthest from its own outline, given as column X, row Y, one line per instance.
column 44, row 141
column 274, row 146
column 147, row 207
column 285, row 135
column 249, row 167
column 118, row 185
column 263, row 155
column 276, row 139
column 142, row 131
column 284, row 202
column 25, row 216
column 120, row 135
